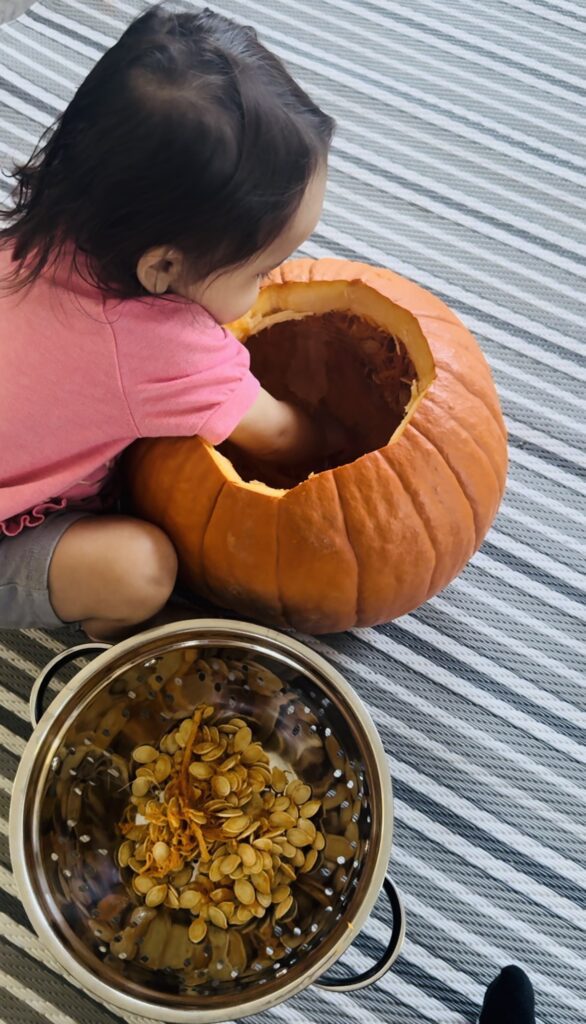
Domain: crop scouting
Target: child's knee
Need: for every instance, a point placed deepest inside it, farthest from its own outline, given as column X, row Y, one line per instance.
column 150, row 569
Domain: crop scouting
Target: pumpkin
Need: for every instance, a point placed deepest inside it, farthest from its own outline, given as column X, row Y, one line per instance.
column 370, row 539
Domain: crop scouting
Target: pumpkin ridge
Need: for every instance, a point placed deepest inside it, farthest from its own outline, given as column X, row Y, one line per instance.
column 469, row 388
column 427, row 526
column 477, row 529
column 499, row 483
column 382, row 455
column 203, row 542
column 350, row 545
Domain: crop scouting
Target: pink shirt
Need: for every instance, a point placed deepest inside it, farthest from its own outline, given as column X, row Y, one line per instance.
column 82, row 377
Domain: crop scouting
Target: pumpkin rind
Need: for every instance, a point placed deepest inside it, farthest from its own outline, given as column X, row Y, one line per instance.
column 368, row 541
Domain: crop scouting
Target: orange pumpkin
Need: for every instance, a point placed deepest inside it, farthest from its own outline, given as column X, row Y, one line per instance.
column 375, row 537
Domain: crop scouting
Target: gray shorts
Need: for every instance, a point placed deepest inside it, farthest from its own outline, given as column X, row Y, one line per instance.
column 24, row 573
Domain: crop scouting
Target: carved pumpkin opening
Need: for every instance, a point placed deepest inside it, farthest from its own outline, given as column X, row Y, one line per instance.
column 336, row 363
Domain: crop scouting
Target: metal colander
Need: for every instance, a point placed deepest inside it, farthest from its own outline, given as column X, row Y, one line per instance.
column 73, row 785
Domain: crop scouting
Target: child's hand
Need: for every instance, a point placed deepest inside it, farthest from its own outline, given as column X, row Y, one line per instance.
column 293, row 443
column 278, row 432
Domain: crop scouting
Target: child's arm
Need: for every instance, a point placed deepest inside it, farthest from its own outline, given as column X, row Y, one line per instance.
column 282, row 433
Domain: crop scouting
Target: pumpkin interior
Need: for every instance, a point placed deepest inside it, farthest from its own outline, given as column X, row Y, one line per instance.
column 338, row 361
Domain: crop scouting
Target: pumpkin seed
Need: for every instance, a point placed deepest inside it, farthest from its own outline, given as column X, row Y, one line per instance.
column 283, row 908
column 219, row 895
column 162, row 767
column 298, row 838
column 200, row 770
column 278, row 780
column 261, row 882
column 140, row 787
column 197, row 930
column 213, row 754
column 281, row 893
column 143, row 884
column 218, row 918
column 161, row 852
column 285, row 846
column 243, row 915
column 220, row 786
column 145, row 754
column 301, row 794
column 235, row 826
column 124, row 852
column 227, row 908
column 182, row 877
column 280, row 819
column 309, row 809
column 319, row 842
column 216, row 872
column 242, row 739
column 287, row 871
column 156, row 896
column 282, row 803
column 310, row 861
column 190, row 899
column 244, row 892
column 247, row 854
column 253, row 754
column 172, row 900
column 299, row 859
column 308, row 827
column 230, row 863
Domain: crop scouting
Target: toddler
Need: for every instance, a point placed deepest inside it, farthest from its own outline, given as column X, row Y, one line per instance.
column 187, row 166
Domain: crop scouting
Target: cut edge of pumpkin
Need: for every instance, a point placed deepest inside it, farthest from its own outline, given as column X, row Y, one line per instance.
column 295, row 300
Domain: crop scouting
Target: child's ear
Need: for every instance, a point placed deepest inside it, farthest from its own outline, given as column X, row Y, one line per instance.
column 159, row 269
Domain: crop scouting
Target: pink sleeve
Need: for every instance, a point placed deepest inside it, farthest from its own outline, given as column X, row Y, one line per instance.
column 182, row 373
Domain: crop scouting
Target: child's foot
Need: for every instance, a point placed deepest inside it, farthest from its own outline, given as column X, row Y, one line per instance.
column 509, row 999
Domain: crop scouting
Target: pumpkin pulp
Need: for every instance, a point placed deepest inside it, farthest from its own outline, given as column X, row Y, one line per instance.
column 334, row 348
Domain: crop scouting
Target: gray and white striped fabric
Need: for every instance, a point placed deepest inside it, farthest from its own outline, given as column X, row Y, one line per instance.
column 459, row 162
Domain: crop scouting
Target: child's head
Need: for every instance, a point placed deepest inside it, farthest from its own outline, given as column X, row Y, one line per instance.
column 189, row 161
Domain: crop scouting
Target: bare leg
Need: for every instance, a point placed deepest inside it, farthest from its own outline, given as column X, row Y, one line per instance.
column 110, row 573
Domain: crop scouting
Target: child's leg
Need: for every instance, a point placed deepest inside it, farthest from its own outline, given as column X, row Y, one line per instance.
column 111, row 572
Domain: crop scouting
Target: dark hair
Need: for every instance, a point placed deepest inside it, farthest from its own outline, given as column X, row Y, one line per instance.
column 187, row 132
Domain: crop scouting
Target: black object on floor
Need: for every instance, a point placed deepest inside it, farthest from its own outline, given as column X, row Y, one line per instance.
column 509, row 999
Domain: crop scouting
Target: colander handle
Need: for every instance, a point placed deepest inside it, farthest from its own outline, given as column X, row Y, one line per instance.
column 376, row 972
column 44, row 678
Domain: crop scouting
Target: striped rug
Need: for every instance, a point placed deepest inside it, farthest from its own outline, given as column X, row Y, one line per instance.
column 459, row 162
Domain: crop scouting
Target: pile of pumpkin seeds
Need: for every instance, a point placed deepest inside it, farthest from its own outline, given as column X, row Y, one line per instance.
column 213, row 829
